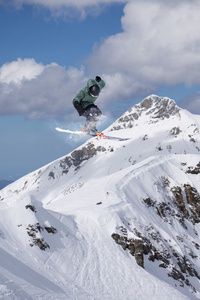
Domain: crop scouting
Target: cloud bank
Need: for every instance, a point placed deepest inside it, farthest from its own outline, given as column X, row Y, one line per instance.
column 46, row 92
column 17, row 71
column 159, row 45
column 38, row 91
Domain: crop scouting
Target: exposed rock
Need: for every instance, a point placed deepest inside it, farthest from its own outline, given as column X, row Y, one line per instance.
column 193, row 199
column 80, row 155
column 157, row 108
column 52, row 175
column 149, row 202
column 175, row 131
column 31, row 207
column 194, row 170
column 183, row 203
column 143, row 246
column 41, row 244
column 50, row 229
column 179, row 201
column 182, row 211
column 33, row 230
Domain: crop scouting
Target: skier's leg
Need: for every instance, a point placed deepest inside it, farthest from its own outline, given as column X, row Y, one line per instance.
column 92, row 115
column 88, row 116
column 95, row 116
column 90, row 125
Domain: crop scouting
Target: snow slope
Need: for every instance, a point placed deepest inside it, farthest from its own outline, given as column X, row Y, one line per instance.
column 111, row 220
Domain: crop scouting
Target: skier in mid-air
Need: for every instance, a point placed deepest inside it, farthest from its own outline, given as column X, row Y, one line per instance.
column 84, row 104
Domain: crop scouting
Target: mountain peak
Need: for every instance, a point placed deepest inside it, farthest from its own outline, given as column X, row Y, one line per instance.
column 159, row 107
column 155, row 108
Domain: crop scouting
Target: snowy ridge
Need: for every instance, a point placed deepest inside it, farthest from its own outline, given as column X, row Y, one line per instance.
column 110, row 220
column 151, row 109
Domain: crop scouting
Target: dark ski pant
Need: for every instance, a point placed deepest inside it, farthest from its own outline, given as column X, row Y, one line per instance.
column 92, row 114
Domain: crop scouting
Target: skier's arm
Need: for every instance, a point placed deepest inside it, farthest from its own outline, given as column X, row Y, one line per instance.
column 101, row 83
column 77, row 103
column 79, row 96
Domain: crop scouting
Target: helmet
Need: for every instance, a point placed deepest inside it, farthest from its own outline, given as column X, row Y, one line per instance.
column 94, row 90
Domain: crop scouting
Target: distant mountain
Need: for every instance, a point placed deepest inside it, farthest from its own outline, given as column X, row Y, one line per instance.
column 4, row 183
column 110, row 220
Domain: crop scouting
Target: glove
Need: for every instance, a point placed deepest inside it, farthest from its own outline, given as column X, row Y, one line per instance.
column 79, row 108
column 98, row 78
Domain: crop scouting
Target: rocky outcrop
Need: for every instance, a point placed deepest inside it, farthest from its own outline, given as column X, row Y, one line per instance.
column 78, row 156
column 156, row 108
column 194, row 170
column 179, row 267
column 180, row 203
column 35, row 231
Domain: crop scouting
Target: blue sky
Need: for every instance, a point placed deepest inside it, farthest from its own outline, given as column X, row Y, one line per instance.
column 34, row 33
column 50, row 49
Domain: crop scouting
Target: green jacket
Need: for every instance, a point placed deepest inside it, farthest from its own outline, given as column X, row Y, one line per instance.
column 83, row 95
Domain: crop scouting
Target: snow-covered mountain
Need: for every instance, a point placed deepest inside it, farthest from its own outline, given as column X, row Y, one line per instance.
column 110, row 220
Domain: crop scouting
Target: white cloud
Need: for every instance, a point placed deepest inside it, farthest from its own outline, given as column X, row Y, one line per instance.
column 119, row 88
column 38, row 91
column 20, row 70
column 159, row 43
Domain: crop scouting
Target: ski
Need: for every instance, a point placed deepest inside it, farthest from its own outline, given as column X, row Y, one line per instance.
column 98, row 134
column 75, row 132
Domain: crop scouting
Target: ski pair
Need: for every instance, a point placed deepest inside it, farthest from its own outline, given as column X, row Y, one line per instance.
column 99, row 134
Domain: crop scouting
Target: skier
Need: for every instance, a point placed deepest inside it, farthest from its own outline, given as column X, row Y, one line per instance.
column 84, row 103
